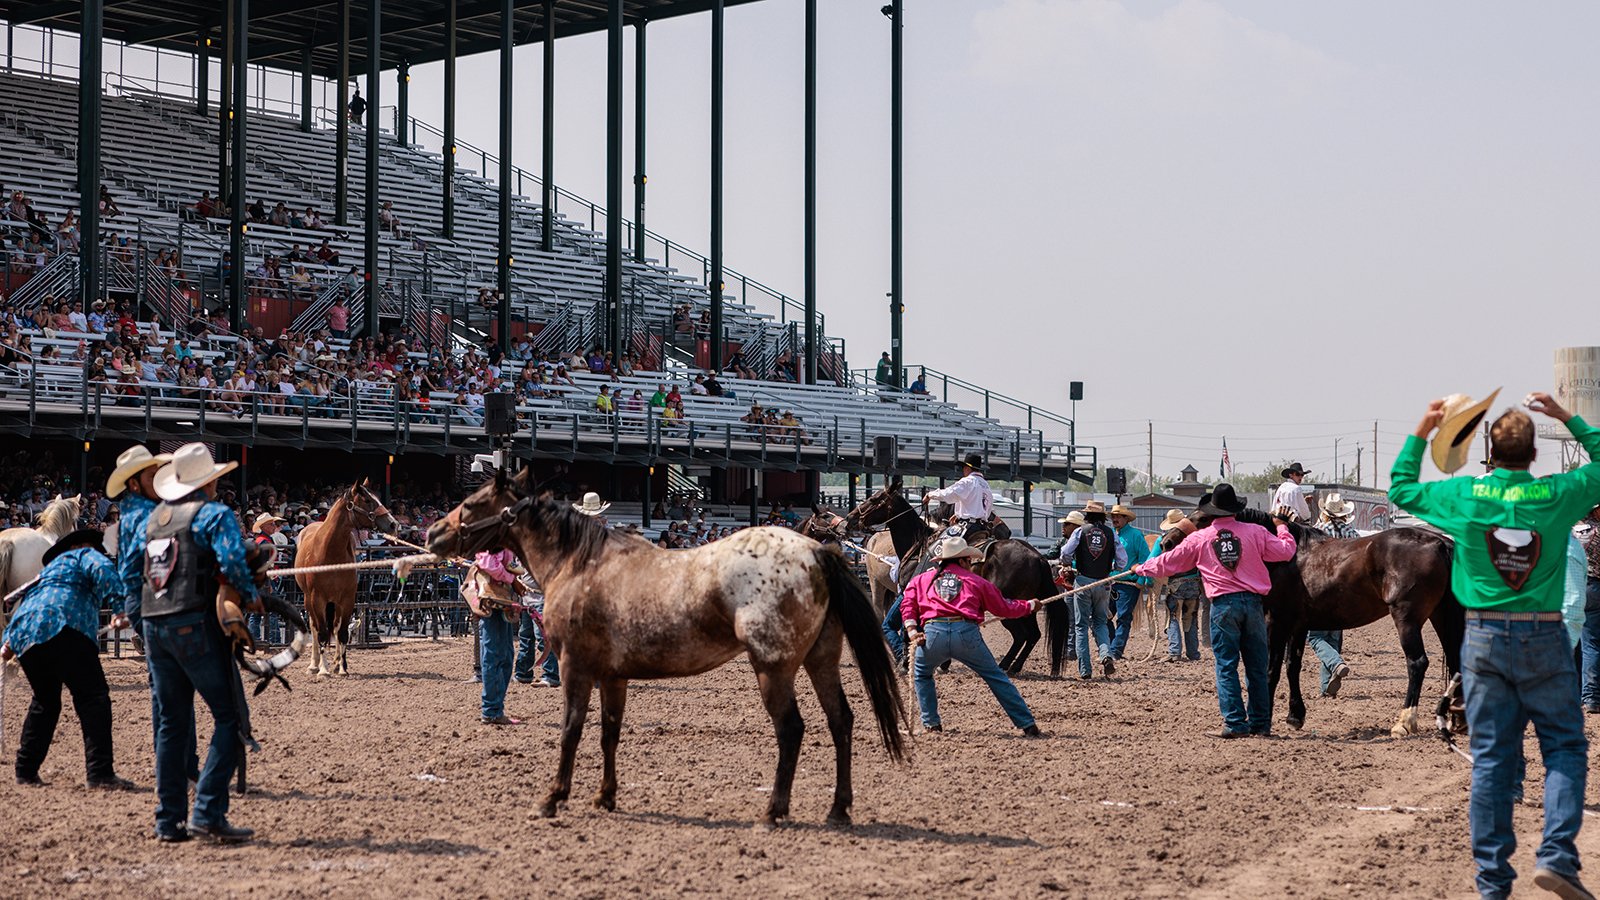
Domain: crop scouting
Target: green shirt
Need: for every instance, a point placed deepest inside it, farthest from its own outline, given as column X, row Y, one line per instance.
column 1471, row 509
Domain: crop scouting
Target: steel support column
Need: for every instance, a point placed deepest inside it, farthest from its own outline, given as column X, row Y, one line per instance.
column 225, row 105
column 1027, row 508
column 449, row 148
column 507, row 23
column 373, row 136
column 638, row 139
column 402, row 104
column 811, row 193
column 547, row 236
column 341, row 117
column 89, row 53
column 237, row 302
column 202, row 72
column 897, row 305
column 614, row 236
column 307, row 74
column 715, row 283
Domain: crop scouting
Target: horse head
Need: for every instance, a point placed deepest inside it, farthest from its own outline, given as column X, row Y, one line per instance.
column 479, row 522
column 879, row 508
column 369, row 511
column 824, row 525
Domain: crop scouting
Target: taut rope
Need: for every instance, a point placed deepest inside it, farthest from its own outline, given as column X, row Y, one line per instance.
column 413, row 559
column 1077, row 590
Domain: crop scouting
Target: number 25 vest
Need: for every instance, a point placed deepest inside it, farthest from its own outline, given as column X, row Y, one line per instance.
column 180, row 575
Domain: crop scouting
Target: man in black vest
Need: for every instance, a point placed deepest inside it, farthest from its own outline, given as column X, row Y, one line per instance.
column 1093, row 552
column 191, row 540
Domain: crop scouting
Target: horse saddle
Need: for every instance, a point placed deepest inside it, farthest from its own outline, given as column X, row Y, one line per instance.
column 484, row 595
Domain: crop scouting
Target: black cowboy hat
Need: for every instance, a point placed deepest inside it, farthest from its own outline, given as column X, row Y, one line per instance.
column 1294, row 469
column 83, row 537
column 974, row 461
column 1222, row 501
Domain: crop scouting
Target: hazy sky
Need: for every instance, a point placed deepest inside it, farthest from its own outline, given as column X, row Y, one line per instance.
column 1272, row 221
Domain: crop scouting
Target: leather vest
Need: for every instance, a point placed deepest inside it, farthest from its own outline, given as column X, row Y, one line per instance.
column 1097, row 551
column 180, row 575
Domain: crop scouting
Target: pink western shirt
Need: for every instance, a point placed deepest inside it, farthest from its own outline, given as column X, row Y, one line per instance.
column 495, row 564
column 1258, row 547
column 922, row 602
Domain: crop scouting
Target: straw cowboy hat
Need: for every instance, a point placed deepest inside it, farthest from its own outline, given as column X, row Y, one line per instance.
column 955, row 547
column 1176, row 519
column 1094, row 506
column 133, row 460
column 1453, row 443
column 1336, row 507
column 591, row 505
column 1222, row 501
column 1120, row 510
column 263, row 519
column 191, row 469
column 1073, row 518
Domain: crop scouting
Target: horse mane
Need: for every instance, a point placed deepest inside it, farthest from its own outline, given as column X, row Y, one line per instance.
column 60, row 516
column 1304, row 535
column 577, row 538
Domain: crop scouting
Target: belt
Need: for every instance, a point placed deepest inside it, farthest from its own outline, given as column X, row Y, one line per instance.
column 947, row 619
column 1482, row 615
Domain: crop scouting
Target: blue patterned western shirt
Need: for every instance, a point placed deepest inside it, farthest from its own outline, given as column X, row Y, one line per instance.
column 134, row 513
column 70, row 593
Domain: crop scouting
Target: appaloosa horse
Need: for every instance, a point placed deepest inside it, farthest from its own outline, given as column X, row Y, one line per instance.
column 1338, row 584
column 618, row 608
column 331, row 596
column 1015, row 567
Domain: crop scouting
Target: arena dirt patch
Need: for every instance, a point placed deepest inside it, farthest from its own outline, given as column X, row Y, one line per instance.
column 383, row 784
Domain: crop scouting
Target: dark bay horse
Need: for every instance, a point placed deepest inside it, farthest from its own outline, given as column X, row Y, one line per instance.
column 823, row 526
column 331, row 596
column 1338, row 584
column 1018, row 570
column 618, row 608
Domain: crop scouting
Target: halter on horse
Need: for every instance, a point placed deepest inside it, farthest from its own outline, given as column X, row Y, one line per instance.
column 331, row 596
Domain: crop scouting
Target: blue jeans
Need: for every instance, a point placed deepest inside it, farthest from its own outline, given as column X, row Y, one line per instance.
column 1239, row 632
column 258, row 624
column 188, row 653
column 1090, row 610
column 1514, row 673
column 1591, row 642
column 963, row 642
column 1127, row 599
column 496, row 636
column 1327, row 645
column 529, row 642
column 1183, row 611
column 894, row 632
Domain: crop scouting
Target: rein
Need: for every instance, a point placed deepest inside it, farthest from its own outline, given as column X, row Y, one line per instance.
column 507, row 516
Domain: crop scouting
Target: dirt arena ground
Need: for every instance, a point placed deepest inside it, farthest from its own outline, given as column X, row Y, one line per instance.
column 1125, row 797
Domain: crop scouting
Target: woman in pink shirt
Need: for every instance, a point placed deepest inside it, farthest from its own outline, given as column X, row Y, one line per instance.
column 943, row 607
column 1232, row 557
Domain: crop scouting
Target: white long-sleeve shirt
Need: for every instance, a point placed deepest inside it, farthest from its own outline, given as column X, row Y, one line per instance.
column 1289, row 495
column 970, row 496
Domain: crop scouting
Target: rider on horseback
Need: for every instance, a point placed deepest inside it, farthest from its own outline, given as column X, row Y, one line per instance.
column 971, row 498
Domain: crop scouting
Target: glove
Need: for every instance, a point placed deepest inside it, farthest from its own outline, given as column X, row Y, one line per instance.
column 915, row 638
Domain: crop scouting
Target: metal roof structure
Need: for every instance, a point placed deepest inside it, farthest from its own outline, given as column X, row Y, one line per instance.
column 413, row 32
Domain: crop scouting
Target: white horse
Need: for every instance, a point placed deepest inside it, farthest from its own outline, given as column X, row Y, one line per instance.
column 22, row 549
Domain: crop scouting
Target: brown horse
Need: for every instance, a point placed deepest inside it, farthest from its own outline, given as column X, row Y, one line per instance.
column 823, row 526
column 331, row 596
column 617, row 608
column 1338, row 584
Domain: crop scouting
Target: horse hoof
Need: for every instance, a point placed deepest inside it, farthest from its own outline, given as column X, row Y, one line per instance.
column 547, row 811
column 1294, row 723
column 838, row 819
column 609, row 804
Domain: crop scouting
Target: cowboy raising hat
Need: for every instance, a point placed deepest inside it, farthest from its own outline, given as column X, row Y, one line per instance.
column 1453, row 442
column 133, row 460
column 955, row 547
column 190, row 470
column 591, row 505
column 1335, row 506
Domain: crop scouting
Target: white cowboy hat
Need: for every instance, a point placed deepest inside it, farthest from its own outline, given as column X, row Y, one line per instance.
column 1120, row 510
column 1176, row 519
column 1453, row 443
column 955, row 547
column 1072, row 518
column 191, row 469
column 265, row 518
column 591, row 505
column 132, row 461
column 1098, row 506
column 1337, row 507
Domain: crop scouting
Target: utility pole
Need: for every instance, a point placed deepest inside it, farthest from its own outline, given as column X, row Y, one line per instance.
column 1358, row 465
column 1150, row 470
column 1374, row 452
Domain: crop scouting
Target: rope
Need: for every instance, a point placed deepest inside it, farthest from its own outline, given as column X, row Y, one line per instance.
column 344, row 567
column 1077, row 590
column 886, row 560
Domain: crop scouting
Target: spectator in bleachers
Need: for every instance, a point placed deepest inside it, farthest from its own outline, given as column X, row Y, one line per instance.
column 698, row 388
column 17, row 208
column 300, row 284
column 680, row 319
column 147, row 367
column 97, row 317
column 358, row 108
column 739, row 366
column 792, row 428
column 279, row 215
column 659, row 398
column 18, row 262
column 108, row 205
column 920, row 386
column 885, row 373
column 208, row 207
column 390, row 220
column 713, row 386
column 76, row 320
column 327, row 255
column 784, row 367
column 297, row 219
column 36, row 253
column 338, row 318
column 315, row 223
column 257, row 212
column 604, row 403
column 67, row 233
column 753, row 419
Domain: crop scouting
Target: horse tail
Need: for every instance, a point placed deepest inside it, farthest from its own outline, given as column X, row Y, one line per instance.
column 330, row 611
column 5, row 563
column 848, row 600
column 1057, row 628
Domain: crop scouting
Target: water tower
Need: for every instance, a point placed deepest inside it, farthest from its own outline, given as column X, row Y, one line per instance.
column 1578, row 389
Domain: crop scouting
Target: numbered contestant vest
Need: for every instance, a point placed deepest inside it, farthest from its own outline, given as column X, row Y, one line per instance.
column 180, row 575
column 1097, row 551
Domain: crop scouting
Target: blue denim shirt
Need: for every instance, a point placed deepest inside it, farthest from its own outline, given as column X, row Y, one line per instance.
column 134, row 513
column 70, row 592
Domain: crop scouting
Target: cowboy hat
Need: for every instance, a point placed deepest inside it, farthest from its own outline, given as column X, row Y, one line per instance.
column 265, row 518
column 955, row 547
column 1222, row 501
column 973, row 461
column 1094, row 506
column 191, row 469
column 591, row 505
column 1453, row 442
column 1073, row 518
column 1294, row 469
column 1336, row 507
column 132, row 461
column 83, row 537
column 1176, row 519
column 1120, row 510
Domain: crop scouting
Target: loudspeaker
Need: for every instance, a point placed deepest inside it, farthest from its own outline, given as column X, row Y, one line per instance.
column 1116, row 481
column 500, row 413
column 1077, row 390
column 885, row 451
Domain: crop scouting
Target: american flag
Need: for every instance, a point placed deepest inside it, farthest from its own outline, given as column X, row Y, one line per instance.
column 1226, row 466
